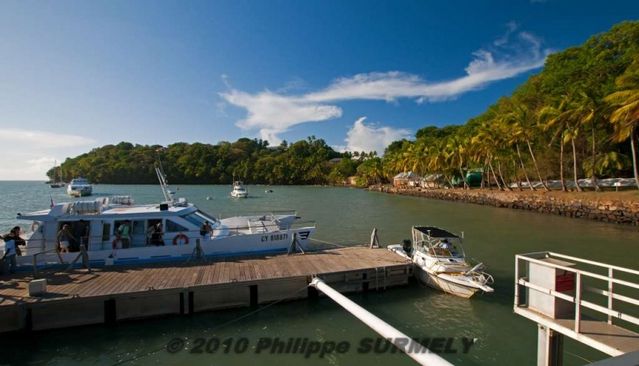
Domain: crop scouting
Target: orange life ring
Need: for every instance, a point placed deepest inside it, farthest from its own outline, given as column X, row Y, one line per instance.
column 115, row 242
column 182, row 237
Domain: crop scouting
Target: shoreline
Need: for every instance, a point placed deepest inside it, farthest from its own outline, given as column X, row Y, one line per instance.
column 615, row 207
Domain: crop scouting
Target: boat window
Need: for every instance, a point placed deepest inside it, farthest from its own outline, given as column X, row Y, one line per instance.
column 138, row 228
column 106, row 232
column 173, row 227
column 198, row 218
column 194, row 219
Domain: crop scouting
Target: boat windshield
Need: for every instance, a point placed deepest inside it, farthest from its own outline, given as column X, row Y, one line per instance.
column 198, row 218
column 442, row 247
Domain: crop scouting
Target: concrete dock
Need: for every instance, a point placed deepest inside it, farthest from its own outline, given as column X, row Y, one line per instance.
column 118, row 293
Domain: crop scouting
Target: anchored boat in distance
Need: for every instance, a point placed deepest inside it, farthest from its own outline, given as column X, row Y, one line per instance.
column 238, row 190
column 79, row 187
column 440, row 262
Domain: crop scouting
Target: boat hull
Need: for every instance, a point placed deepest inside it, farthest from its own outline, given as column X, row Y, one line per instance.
column 436, row 282
column 240, row 245
column 79, row 192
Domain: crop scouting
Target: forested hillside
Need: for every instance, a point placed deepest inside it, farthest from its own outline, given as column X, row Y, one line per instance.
column 254, row 161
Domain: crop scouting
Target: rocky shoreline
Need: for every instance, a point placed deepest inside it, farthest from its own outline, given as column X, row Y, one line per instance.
column 620, row 211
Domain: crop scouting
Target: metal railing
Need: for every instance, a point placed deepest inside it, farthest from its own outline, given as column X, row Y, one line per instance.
column 611, row 292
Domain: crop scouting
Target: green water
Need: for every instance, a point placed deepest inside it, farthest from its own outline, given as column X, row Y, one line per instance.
column 346, row 216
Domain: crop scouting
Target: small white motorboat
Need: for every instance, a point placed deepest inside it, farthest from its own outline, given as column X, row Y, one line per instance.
column 238, row 190
column 440, row 262
column 79, row 187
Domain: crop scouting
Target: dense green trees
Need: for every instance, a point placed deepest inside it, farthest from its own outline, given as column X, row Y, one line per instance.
column 585, row 99
column 254, row 161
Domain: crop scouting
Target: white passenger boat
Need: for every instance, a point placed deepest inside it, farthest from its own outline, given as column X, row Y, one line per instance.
column 155, row 232
column 440, row 262
column 79, row 187
column 238, row 190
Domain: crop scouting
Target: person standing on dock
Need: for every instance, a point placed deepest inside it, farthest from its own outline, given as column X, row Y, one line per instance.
column 9, row 254
column 14, row 235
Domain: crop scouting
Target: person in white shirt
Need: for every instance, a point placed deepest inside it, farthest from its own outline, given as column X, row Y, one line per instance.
column 10, row 253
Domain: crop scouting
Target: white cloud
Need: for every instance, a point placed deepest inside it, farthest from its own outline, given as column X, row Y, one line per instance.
column 510, row 28
column 29, row 154
column 273, row 113
column 362, row 137
column 42, row 139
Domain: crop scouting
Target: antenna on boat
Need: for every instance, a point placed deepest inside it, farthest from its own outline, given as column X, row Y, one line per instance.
column 164, row 185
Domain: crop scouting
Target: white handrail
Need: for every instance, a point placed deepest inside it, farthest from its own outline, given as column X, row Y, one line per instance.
column 579, row 277
column 582, row 272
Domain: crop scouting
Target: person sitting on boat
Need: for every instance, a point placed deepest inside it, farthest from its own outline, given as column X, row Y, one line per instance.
column 64, row 238
column 444, row 244
column 9, row 253
column 205, row 229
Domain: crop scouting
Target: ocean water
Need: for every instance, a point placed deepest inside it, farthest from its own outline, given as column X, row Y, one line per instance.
column 345, row 216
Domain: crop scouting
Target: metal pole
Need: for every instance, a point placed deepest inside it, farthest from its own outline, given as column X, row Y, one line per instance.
column 516, row 281
column 610, row 290
column 406, row 344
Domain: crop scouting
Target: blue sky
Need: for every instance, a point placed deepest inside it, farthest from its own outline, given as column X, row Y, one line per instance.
column 76, row 74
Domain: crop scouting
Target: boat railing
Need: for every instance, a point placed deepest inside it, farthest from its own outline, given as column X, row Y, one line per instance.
column 36, row 255
column 272, row 213
column 583, row 288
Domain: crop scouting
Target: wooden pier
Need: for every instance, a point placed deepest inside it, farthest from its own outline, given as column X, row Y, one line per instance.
column 117, row 293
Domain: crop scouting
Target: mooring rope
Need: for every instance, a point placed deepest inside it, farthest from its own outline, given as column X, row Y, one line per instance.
column 328, row 242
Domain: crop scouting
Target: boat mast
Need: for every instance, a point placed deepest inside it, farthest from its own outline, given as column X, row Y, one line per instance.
column 164, row 185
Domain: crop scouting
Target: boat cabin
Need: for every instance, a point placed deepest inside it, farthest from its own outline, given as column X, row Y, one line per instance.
column 437, row 242
column 100, row 224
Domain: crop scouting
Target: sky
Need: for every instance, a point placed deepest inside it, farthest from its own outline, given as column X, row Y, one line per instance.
column 75, row 75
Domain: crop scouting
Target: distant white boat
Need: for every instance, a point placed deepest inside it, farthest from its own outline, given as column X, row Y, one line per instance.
column 238, row 190
column 79, row 187
column 440, row 262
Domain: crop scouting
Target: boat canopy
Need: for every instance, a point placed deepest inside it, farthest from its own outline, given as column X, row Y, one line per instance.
column 435, row 232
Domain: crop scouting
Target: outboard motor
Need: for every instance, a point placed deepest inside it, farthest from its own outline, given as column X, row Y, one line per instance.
column 407, row 246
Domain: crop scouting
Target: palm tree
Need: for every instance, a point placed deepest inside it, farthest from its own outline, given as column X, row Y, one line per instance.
column 584, row 111
column 486, row 143
column 456, row 148
column 625, row 116
column 564, row 120
column 522, row 122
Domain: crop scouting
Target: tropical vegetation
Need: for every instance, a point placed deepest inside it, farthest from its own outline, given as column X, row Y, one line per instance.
column 579, row 117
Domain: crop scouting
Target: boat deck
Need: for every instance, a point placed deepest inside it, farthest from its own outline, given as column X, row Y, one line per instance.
column 187, row 287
